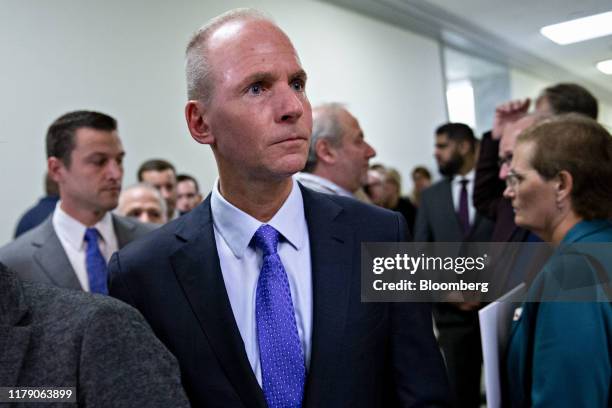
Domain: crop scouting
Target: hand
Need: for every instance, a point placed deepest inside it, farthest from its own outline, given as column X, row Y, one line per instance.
column 506, row 113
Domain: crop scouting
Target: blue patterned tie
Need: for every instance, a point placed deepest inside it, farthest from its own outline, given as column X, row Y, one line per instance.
column 95, row 262
column 282, row 360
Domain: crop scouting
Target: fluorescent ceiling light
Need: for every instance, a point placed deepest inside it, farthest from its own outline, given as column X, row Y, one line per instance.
column 581, row 29
column 605, row 66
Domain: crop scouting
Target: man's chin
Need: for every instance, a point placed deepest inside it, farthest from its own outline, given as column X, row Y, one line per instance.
column 108, row 205
column 291, row 165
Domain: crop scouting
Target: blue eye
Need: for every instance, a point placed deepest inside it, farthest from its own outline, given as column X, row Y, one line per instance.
column 255, row 89
column 298, row 85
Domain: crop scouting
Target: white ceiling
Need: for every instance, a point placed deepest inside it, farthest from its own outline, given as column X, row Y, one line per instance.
column 506, row 32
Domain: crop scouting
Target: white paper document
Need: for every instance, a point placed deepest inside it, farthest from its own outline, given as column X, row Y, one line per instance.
column 495, row 322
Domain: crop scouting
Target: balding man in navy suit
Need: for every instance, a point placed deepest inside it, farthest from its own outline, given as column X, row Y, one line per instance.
column 257, row 290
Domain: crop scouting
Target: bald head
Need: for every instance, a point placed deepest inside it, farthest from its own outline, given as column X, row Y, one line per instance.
column 338, row 151
column 143, row 202
column 199, row 56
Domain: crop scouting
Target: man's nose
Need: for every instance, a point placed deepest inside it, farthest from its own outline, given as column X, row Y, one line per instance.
column 114, row 170
column 370, row 152
column 508, row 192
column 290, row 104
column 503, row 171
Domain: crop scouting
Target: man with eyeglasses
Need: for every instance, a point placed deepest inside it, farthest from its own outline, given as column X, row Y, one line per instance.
column 497, row 146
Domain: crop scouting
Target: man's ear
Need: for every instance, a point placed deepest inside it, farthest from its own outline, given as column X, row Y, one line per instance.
column 565, row 185
column 325, row 151
column 463, row 147
column 54, row 168
column 195, row 114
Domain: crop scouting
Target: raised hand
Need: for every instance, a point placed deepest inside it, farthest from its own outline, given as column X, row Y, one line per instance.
column 506, row 113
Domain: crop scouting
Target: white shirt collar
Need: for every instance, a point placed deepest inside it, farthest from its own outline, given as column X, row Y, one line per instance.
column 73, row 231
column 322, row 184
column 237, row 227
column 469, row 176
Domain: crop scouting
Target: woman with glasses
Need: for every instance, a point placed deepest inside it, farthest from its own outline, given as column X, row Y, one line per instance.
column 560, row 185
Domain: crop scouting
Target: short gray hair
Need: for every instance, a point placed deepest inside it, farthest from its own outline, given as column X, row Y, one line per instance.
column 325, row 125
column 197, row 65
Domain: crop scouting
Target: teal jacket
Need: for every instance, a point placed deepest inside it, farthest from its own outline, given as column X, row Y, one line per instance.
column 559, row 352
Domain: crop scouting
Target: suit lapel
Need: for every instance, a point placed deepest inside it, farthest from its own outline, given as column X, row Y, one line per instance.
column 123, row 230
column 14, row 339
column 196, row 265
column 331, row 245
column 52, row 259
column 448, row 207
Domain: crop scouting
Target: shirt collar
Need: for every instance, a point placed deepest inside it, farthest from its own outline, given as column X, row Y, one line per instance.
column 237, row 227
column 73, row 231
column 325, row 183
column 469, row 176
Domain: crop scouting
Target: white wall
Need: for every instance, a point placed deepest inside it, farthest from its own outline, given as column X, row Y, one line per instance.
column 523, row 85
column 125, row 58
column 605, row 115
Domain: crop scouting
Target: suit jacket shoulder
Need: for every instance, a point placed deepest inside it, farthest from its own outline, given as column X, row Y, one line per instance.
column 95, row 343
column 385, row 225
column 38, row 256
column 128, row 229
column 438, row 221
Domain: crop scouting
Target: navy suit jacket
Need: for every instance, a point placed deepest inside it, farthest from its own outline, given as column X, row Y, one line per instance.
column 363, row 354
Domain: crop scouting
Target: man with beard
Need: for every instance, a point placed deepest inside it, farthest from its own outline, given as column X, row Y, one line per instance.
column 447, row 214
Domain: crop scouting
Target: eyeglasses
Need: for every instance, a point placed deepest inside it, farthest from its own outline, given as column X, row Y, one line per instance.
column 513, row 179
column 504, row 160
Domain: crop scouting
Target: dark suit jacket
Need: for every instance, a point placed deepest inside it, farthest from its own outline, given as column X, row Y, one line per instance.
column 488, row 194
column 50, row 337
column 437, row 220
column 363, row 354
column 38, row 255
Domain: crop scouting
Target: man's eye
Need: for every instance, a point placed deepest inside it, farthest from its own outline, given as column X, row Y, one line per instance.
column 298, row 85
column 255, row 89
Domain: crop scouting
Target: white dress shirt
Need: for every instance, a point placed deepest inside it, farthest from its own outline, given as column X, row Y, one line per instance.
column 322, row 185
column 71, row 234
column 456, row 190
column 241, row 263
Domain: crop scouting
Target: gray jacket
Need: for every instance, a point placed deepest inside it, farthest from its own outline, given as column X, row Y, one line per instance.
column 437, row 220
column 52, row 337
column 38, row 255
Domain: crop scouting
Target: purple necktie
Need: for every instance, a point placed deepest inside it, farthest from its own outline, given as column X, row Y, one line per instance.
column 464, row 214
column 282, row 360
column 95, row 263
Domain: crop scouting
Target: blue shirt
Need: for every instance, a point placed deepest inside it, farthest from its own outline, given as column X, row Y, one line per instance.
column 241, row 263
